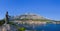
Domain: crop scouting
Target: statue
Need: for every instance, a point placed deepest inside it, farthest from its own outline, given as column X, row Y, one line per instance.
column 6, row 18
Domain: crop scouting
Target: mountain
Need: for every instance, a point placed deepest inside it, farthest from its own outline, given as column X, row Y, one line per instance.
column 30, row 16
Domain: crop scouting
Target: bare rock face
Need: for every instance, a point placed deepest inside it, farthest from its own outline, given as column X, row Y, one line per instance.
column 29, row 16
column 7, row 27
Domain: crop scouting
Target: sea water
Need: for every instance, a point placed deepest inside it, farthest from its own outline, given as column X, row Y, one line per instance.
column 46, row 27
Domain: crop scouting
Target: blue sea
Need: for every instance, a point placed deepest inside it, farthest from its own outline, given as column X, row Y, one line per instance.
column 49, row 27
column 46, row 27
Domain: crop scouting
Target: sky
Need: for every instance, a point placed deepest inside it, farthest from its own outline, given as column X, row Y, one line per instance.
column 47, row 8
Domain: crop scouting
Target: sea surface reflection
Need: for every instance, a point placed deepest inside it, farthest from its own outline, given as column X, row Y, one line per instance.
column 47, row 27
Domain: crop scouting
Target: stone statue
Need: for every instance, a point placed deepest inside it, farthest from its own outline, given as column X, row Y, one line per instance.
column 6, row 17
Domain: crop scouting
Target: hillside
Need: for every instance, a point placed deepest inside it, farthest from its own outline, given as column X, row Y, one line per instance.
column 33, row 17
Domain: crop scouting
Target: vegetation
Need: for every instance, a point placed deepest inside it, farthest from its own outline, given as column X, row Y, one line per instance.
column 2, row 22
column 21, row 29
column 24, row 19
column 11, row 23
column 42, row 20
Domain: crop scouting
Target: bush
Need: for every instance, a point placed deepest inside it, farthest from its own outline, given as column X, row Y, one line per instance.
column 2, row 22
column 21, row 29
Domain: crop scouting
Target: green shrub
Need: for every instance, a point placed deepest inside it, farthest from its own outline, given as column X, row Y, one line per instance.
column 21, row 29
column 2, row 22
